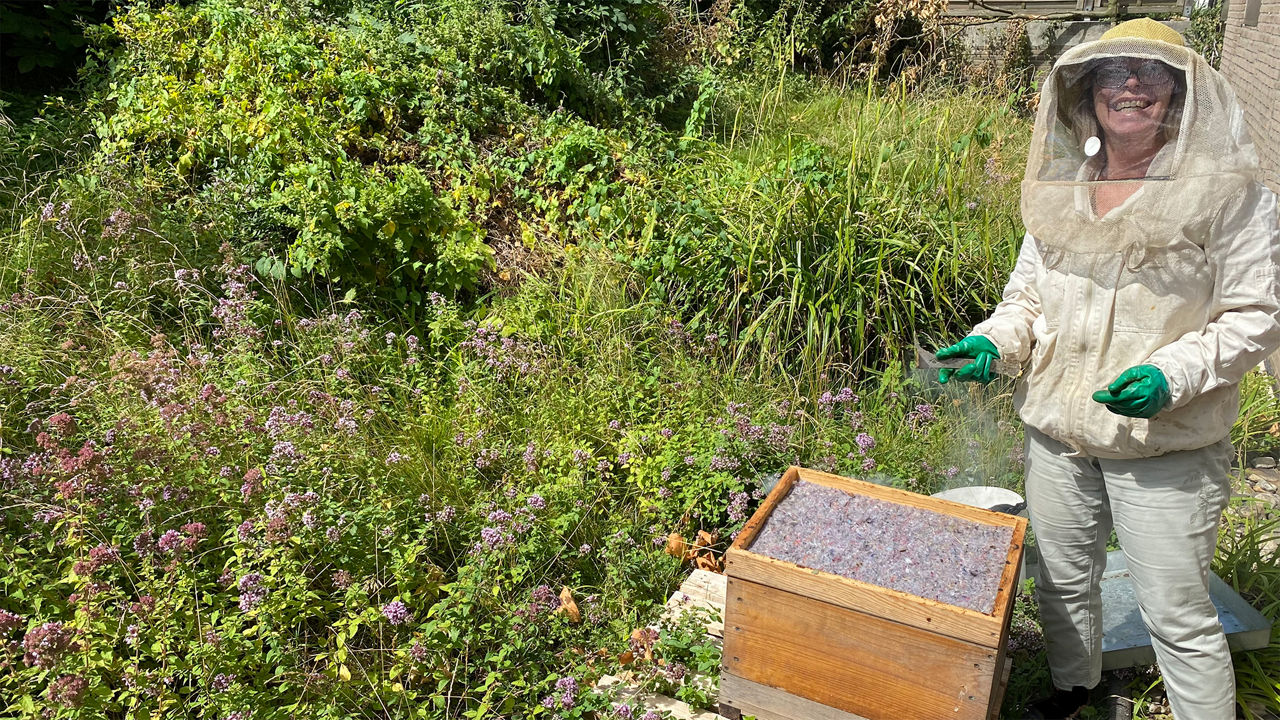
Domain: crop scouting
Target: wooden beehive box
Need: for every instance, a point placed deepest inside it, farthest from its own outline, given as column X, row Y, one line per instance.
column 803, row 643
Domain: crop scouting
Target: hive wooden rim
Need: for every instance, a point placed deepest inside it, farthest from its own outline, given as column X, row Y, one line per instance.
column 909, row 609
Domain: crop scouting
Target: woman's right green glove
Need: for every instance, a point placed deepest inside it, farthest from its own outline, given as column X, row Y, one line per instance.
column 981, row 350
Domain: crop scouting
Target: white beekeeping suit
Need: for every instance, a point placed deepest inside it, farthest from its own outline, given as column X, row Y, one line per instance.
column 1151, row 252
column 1181, row 275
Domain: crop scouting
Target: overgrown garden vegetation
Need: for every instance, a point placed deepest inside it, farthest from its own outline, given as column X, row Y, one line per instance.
column 359, row 358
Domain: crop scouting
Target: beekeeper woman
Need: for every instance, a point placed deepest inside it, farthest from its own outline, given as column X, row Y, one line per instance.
column 1145, row 288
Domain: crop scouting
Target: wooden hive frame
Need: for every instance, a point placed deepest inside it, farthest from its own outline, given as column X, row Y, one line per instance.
column 841, row 648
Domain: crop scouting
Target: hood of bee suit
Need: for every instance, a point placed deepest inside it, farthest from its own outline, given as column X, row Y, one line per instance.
column 1135, row 93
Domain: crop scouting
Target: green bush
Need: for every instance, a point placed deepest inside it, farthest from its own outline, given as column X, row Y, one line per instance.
column 381, row 227
column 1206, row 32
column 306, row 125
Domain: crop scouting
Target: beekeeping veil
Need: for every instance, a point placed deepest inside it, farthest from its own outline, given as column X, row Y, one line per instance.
column 1137, row 87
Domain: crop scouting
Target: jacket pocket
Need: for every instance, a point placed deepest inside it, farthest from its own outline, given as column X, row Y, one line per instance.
column 1163, row 290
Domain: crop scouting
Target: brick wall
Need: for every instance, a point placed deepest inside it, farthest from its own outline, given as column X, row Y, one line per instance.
column 1251, row 62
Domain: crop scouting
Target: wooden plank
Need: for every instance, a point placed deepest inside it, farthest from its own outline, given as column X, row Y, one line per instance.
column 702, row 589
column 906, row 497
column 997, row 697
column 769, row 703
column 1000, row 682
column 893, row 605
column 704, row 585
column 849, row 660
column 749, row 531
column 1008, row 590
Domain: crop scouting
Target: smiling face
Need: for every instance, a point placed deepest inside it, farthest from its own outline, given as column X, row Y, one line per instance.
column 1131, row 98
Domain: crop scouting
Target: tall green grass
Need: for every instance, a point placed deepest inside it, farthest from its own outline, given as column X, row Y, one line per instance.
column 839, row 227
column 1248, row 558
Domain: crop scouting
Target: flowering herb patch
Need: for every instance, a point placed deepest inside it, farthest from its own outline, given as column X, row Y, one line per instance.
column 925, row 553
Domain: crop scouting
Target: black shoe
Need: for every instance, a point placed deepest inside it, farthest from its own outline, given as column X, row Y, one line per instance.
column 1061, row 705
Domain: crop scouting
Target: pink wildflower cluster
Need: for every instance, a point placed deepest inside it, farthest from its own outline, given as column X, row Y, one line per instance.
column 991, row 170
column 296, row 500
column 721, row 462
column 156, row 375
column 62, row 424
column 677, row 332
column 828, row 403
column 143, row 606
column 233, row 309
column 222, row 682
column 487, row 457
column 544, row 600
column 281, row 420
column 252, row 591
column 81, row 474
column 1018, row 456
column 921, row 417
column 530, row 457
column 9, row 622
column 285, row 454
column 46, row 644
column 100, row 555
column 119, row 223
column 68, row 690
column 251, row 484
column 566, row 694
column 443, row 516
column 396, row 612
column 756, row 438
column 738, row 506
column 172, row 542
column 507, row 357
column 1024, row 635
column 503, row 526
column 866, row 443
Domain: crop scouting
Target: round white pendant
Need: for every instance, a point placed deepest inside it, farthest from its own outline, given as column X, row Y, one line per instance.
column 1092, row 146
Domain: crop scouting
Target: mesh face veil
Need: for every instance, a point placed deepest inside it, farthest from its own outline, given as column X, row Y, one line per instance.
column 1136, row 140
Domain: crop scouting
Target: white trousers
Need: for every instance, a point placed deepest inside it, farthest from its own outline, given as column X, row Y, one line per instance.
column 1165, row 511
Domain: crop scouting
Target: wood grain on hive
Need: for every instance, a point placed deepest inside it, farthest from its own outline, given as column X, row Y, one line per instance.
column 857, row 648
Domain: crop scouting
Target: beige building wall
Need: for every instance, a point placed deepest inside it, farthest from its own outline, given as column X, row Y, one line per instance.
column 1251, row 62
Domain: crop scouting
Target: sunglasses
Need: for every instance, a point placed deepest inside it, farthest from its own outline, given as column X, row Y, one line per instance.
column 1114, row 75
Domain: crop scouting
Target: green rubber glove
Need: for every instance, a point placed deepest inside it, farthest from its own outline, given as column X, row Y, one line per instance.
column 1140, row 392
column 980, row 350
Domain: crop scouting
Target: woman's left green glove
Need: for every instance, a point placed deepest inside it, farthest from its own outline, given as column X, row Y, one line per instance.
column 1141, row 392
column 981, row 350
